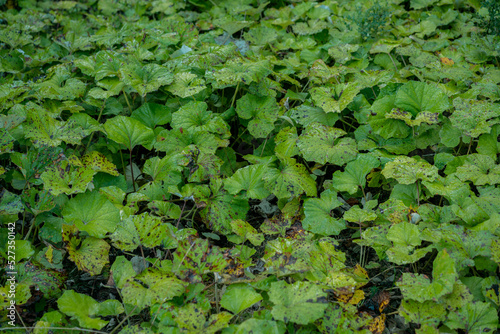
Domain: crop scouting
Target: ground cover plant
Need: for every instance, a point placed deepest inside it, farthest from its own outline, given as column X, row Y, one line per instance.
column 249, row 166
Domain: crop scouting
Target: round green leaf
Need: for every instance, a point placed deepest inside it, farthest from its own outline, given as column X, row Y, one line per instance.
column 318, row 214
column 92, row 213
column 239, row 297
column 128, row 131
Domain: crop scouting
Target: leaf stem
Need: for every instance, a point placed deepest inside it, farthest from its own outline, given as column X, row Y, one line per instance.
column 234, row 95
column 123, row 164
column 121, row 322
column 392, row 61
column 241, row 134
column 418, row 193
column 92, row 134
column 126, row 99
column 468, row 148
column 132, row 170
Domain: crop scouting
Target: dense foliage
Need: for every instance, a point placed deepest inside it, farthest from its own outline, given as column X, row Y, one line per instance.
column 234, row 166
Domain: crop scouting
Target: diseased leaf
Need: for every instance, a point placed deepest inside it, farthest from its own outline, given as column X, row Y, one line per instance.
column 300, row 302
column 290, row 181
column 323, row 144
column 408, row 170
column 89, row 254
column 146, row 78
column 335, row 98
column 474, row 117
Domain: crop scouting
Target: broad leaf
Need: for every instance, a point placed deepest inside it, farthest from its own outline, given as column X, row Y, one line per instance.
column 86, row 310
column 152, row 114
column 93, row 213
column 90, row 254
column 319, row 217
column 262, row 112
column 128, row 131
column 408, row 170
column 146, row 78
column 321, row 144
column 250, row 180
column 239, row 297
column 300, row 302
column 354, row 175
column 290, row 181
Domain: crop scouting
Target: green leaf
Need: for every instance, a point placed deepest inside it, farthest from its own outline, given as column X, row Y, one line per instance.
column 286, row 142
column 150, row 287
column 61, row 86
column 10, row 204
column 320, row 143
column 68, row 177
column 129, row 132
column 177, row 140
column 186, row 84
column 354, row 175
column 417, row 97
column 249, row 179
column 405, row 237
column 306, row 115
column 90, row 255
column 419, row 4
column 152, row 114
column 194, row 116
column 419, row 288
column 238, row 71
column 480, row 169
column 166, row 170
column 202, row 166
column 222, row 209
column 488, row 144
column 82, row 308
column 404, row 234
column 291, row 181
column 262, row 112
column 464, row 245
column 247, row 231
column 335, row 98
column 383, row 126
column 49, row 282
column 93, row 213
column 254, row 325
column 98, row 162
column 239, row 297
column 358, row 215
column 38, row 201
column 475, row 317
column 300, row 302
column 408, row 170
column 195, row 258
column 139, row 230
column 428, row 313
column 474, row 117
column 319, row 218
column 146, row 78
column 42, row 129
